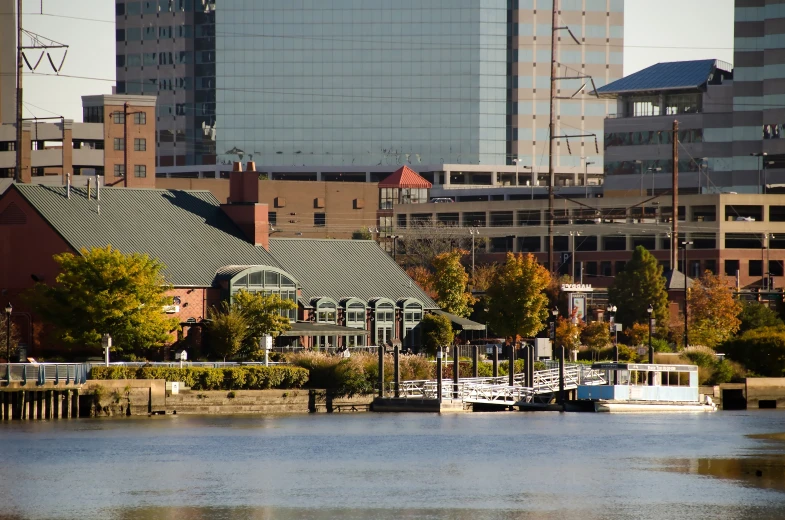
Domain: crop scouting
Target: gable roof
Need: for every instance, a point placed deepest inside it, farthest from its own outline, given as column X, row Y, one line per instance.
column 404, row 177
column 341, row 269
column 186, row 230
column 666, row 76
column 674, row 280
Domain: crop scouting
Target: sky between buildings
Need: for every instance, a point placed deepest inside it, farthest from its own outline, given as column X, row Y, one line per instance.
column 654, row 31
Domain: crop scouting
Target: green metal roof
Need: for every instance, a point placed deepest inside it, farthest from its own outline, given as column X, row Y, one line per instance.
column 341, row 269
column 186, row 230
column 461, row 322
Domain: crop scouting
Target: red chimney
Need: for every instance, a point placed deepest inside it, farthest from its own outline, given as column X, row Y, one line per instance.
column 243, row 206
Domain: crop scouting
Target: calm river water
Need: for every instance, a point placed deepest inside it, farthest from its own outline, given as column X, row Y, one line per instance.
column 355, row 466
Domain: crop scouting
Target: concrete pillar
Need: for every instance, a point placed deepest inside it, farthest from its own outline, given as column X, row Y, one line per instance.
column 475, row 360
column 455, row 371
column 496, row 361
column 319, row 176
column 75, row 404
column 34, row 408
column 367, row 176
column 56, row 402
column 25, row 405
column 447, row 178
column 67, row 404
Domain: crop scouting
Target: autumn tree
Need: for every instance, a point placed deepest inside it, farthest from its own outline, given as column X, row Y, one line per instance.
column 483, row 276
column 596, row 335
column 263, row 312
column 362, row 234
column 450, row 283
column 424, row 241
column 227, row 329
column 103, row 291
column 517, row 303
column 637, row 334
column 4, row 341
column 568, row 333
column 423, row 277
column 437, row 332
column 713, row 311
column 640, row 284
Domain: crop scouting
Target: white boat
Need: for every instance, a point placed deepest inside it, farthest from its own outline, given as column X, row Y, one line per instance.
column 643, row 388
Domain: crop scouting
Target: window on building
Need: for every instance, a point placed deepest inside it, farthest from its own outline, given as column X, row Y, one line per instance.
column 118, row 118
column 402, row 221
column 140, row 170
column 319, row 219
column 588, row 243
column 412, row 315
column 776, row 268
column 384, row 322
column 120, row 60
column 119, row 170
column 529, row 218
column 590, row 268
column 614, row 243
column 272, row 218
column 561, row 244
column 140, row 144
column 731, row 267
column 354, row 317
column 620, row 266
column 529, row 244
column 119, row 143
column 140, row 118
column 755, row 268
column 711, row 266
column 605, row 268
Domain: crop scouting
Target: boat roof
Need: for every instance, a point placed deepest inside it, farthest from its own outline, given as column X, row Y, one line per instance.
column 645, row 367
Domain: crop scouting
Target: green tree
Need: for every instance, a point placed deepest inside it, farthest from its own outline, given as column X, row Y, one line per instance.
column 263, row 314
column 757, row 316
column 361, row 234
column 437, row 332
column 597, row 336
column 640, row 284
column 517, row 303
column 228, row 330
column 3, row 337
column 450, row 283
column 713, row 311
column 759, row 350
column 103, row 291
column 568, row 333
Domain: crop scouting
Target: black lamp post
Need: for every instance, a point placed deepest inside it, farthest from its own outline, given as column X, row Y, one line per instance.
column 8, row 310
column 611, row 319
column 650, row 310
column 554, row 315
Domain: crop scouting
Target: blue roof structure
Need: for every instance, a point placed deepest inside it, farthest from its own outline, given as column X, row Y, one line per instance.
column 667, row 76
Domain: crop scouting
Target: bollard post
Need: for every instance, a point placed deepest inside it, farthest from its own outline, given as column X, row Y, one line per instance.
column 397, row 370
column 561, row 376
column 455, row 371
column 615, row 360
column 511, row 364
column 475, row 361
column 526, row 380
column 439, row 374
column 381, row 370
column 496, row 361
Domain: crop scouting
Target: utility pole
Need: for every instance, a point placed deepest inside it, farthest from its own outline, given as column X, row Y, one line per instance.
column 675, row 210
column 18, row 170
column 551, row 133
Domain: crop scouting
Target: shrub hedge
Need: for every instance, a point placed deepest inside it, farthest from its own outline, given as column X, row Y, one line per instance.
column 233, row 378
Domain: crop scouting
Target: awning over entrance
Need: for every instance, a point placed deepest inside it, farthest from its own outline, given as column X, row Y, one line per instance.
column 306, row 328
column 462, row 323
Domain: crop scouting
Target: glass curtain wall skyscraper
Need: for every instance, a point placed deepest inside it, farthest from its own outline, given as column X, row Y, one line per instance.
column 368, row 82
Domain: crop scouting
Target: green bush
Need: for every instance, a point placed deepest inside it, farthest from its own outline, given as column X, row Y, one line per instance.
column 233, row 378
column 761, row 351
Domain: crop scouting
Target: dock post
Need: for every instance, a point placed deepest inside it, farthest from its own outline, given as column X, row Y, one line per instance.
column 75, row 404
column 397, row 370
column 67, row 404
column 511, row 364
column 527, row 380
column 616, row 360
column 381, row 371
column 531, row 365
column 475, row 360
column 439, row 374
column 496, row 361
column 561, row 375
column 456, row 368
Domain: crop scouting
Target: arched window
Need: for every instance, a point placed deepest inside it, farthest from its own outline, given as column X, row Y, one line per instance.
column 263, row 279
column 326, row 312
column 355, row 317
column 384, row 321
column 412, row 316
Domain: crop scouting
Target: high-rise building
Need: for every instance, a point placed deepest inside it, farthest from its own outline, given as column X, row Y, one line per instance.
column 304, row 83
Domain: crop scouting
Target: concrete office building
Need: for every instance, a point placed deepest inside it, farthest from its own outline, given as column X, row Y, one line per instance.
column 360, row 86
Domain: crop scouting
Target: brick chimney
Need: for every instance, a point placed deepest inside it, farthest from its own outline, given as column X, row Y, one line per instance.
column 243, row 206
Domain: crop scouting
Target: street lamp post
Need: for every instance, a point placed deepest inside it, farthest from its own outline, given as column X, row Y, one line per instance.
column 653, row 171
column 517, row 162
column 586, row 177
column 612, row 329
column 8, row 310
column 552, row 330
column 760, row 156
column 650, row 310
column 684, row 245
column 473, row 232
